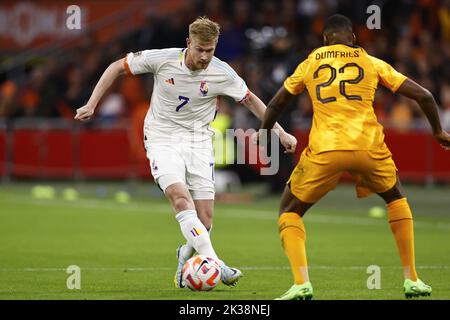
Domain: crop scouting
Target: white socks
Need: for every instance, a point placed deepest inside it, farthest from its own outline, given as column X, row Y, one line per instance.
column 187, row 250
column 196, row 235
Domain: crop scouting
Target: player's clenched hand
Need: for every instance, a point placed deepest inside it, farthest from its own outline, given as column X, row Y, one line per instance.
column 84, row 113
column 443, row 138
column 289, row 142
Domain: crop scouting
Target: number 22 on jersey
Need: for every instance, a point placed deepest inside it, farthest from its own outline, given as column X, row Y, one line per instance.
column 342, row 83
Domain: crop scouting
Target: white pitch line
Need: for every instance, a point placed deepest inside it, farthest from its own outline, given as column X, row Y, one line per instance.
column 147, row 269
column 244, row 213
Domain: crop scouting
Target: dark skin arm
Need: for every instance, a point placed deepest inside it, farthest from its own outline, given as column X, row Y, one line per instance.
column 276, row 107
column 429, row 107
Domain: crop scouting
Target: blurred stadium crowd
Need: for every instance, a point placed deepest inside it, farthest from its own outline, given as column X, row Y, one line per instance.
column 263, row 40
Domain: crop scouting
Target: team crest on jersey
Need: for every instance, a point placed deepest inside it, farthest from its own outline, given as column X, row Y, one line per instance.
column 203, row 88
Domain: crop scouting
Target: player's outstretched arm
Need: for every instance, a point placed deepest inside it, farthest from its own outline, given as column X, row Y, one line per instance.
column 258, row 108
column 111, row 73
column 428, row 105
column 275, row 107
column 271, row 114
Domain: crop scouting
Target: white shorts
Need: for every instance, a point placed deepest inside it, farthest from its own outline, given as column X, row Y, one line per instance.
column 185, row 163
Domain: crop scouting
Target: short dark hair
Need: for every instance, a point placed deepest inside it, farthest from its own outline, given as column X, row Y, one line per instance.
column 336, row 23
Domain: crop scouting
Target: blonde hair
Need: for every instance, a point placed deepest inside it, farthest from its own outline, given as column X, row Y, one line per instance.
column 204, row 30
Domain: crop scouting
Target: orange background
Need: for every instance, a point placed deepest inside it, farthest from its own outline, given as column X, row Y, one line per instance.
column 94, row 19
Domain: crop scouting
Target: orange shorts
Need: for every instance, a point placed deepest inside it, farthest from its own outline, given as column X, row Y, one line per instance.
column 317, row 174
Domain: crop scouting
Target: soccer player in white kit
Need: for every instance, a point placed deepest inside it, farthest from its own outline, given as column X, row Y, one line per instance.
column 178, row 139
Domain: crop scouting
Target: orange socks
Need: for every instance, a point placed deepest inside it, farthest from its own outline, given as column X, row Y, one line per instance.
column 401, row 222
column 293, row 237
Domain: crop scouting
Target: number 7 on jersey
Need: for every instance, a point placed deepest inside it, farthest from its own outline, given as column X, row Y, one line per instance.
column 185, row 101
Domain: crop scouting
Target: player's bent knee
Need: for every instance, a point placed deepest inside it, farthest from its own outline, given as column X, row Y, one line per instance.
column 290, row 203
column 182, row 203
column 294, row 205
column 395, row 195
column 180, row 200
column 290, row 209
column 392, row 194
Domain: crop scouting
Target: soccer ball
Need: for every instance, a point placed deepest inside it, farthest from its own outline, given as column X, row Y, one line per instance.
column 201, row 273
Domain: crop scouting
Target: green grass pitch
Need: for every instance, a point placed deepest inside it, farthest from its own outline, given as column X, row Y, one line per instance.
column 127, row 251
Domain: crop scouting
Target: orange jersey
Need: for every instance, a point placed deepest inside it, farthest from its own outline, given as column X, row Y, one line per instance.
column 341, row 81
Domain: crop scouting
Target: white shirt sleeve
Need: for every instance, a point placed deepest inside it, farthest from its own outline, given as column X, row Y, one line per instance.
column 147, row 61
column 236, row 88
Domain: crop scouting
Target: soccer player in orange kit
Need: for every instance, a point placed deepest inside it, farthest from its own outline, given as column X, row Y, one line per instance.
column 341, row 79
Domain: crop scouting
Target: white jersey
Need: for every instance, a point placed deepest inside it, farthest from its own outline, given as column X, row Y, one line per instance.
column 184, row 102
